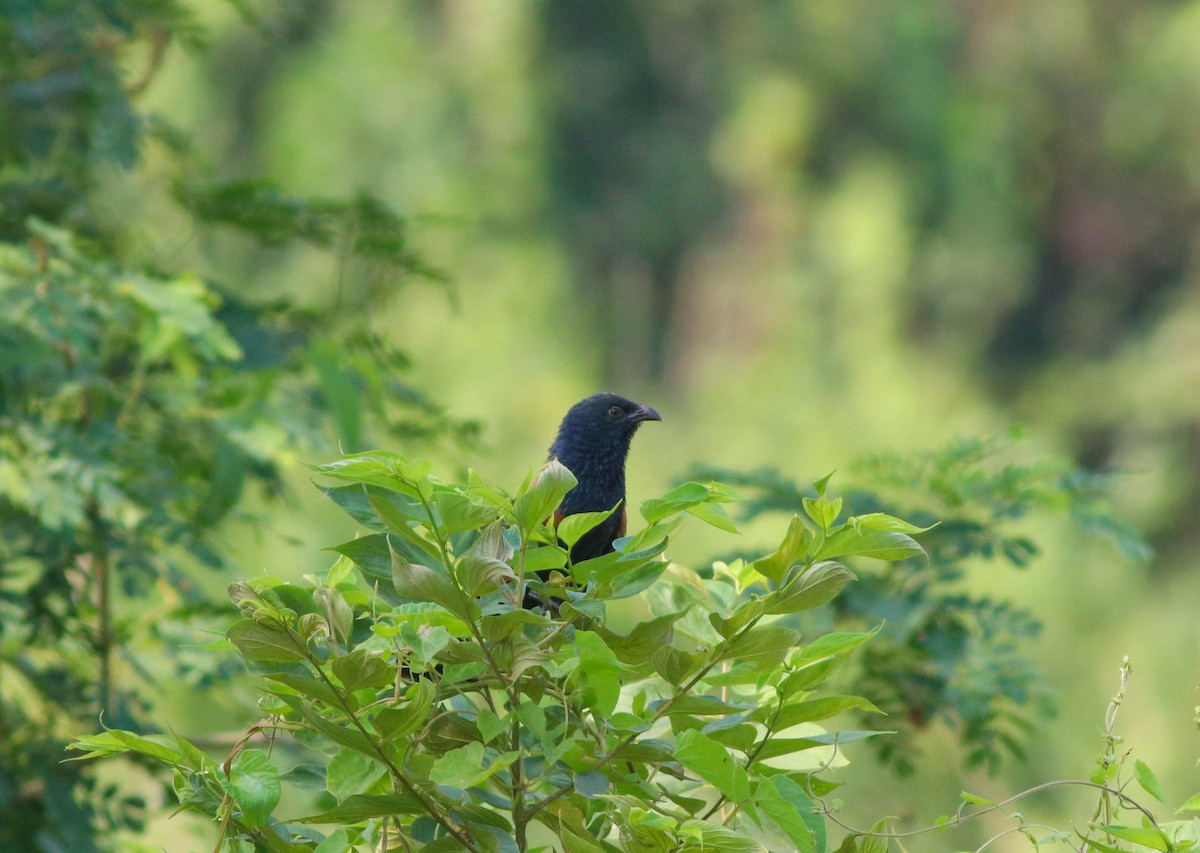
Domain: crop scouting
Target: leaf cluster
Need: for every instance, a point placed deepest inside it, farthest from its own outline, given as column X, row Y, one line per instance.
column 648, row 708
column 943, row 653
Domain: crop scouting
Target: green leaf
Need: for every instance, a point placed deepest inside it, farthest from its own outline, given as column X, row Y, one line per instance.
column 712, row 763
column 590, row 785
column 822, row 511
column 464, row 767
column 786, row 803
column 600, row 671
column 1146, row 836
column 396, row 723
column 814, row 710
column 793, row 548
column 1192, row 804
column 543, row 497
column 422, row 583
column 692, row 498
column 359, row 670
column 262, row 644
column 976, row 801
column 351, row 773
column 481, row 575
column 640, row 644
column 254, row 785
column 817, row 585
column 573, row 527
column 1149, row 781
column 674, row 665
column 883, row 521
column 459, row 513
column 114, row 741
column 880, row 544
column 366, row 806
column 344, row 735
column 489, row 725
column 763, row 646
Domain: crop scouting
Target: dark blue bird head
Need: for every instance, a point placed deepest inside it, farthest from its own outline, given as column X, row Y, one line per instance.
column 593, row 441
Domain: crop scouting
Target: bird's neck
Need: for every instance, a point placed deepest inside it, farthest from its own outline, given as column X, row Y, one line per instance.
column 601, row 476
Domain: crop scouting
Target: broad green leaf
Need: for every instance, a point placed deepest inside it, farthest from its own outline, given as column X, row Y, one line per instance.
column 336, row 732
column 864, row 542
column 464, row 767
column 422, row 583
column 542, row 558
column 712, row 763
column 591, row 785
column 1146, row 836
column 481, row 575
column 306, row 685
column 600, row 671
column 572, row 528
column 489, row 725
column 1149, row 781
column 351, row 773
column 786, row 803
column 828, row 646
column 640, row 644
column 366, row 806
column 254, row 785
column 763, row 646
column 814, row 710
column 1192, row 804
column 359, row 669
column 714, row 515
column 688, row 497
column 818, row 584
column 674, row 665
column 792, row 549
column 262, row 644
column 396, row 723
column 742, row 616
column 544, row 495
column 459, row 513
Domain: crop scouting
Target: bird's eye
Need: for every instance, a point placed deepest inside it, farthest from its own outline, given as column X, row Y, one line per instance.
column 615, row 412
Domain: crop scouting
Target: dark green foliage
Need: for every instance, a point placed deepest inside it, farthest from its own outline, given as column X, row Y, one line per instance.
column 430, row 708
column 138, row 404
column 943, row 653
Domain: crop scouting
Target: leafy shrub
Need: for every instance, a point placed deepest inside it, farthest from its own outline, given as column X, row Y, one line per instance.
column 651, row 707
column 944, row 654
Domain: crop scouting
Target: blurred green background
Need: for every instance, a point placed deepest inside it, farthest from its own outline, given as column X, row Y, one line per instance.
column 804, row 232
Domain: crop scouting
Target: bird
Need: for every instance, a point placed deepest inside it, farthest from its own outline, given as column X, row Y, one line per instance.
column 592, row 443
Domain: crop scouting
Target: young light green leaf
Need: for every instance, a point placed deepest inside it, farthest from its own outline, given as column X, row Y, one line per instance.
column 883, row 521
column 793, row 548
column 880, row 544
column 572, row 528
column 1149, row 781
column 976, row 801
column 1146, row 836
column 544, row 495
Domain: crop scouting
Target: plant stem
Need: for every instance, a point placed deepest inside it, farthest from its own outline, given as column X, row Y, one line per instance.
column 103, row 587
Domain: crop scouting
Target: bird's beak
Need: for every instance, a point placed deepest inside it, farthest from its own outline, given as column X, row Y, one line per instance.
column 645, row 413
